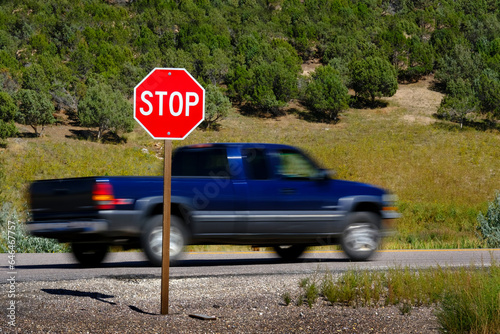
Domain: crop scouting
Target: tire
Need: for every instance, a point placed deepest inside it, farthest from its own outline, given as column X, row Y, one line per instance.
column 152, row 239
column 89, row 254
column 361, row 237
column 290, row 253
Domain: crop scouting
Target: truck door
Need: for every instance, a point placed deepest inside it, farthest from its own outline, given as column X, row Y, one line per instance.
column 284, row 195
column 203, row 175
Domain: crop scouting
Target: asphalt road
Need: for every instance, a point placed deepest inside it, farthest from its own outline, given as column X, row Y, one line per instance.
column 53, row 267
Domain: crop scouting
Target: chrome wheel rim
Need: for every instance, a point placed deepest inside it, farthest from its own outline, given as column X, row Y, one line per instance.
column 176, row 241
column 156, row 241
column 361, row 238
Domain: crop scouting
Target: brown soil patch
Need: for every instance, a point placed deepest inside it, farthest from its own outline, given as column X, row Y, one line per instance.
column 309, row 66
column 419, row 100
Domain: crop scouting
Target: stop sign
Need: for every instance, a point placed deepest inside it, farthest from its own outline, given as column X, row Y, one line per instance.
column 169, row 103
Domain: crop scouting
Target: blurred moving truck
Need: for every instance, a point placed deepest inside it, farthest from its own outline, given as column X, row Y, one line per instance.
column 263, row 195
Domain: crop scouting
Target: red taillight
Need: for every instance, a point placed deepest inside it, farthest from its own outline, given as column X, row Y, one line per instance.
column 103, row 195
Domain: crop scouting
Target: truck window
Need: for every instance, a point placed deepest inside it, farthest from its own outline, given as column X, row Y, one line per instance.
column 294, row 165
column 255, row 162
column 204, row 162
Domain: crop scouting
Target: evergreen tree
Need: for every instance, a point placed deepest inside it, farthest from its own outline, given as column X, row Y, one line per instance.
column 8, row 112
column 35, row 79
column 35, row 109
column 105, row 108
column 217, row 106
column 373, row 77
column 489, row 93
column 326, row 94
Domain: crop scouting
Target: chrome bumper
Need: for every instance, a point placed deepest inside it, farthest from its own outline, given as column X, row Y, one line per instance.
column 60, row 227
column 390, row 215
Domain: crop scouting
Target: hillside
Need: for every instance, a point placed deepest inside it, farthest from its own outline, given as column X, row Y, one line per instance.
column 85, row 57
column 443, row 175
column 289, row 69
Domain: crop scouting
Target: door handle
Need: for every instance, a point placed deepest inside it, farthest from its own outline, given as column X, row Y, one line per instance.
column 287, row 190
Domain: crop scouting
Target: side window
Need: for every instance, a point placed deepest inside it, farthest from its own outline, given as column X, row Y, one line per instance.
column 255, row 162
column 294, row 165
column 204, row 162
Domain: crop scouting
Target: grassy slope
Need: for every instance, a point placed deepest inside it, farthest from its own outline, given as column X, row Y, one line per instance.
column 443, row 175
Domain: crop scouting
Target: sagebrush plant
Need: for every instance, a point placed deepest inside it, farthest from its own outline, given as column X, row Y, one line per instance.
column 23, row 242
column 2, row 178
column 489, row 223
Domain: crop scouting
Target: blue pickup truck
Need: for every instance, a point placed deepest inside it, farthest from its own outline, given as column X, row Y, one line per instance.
column 264, row 195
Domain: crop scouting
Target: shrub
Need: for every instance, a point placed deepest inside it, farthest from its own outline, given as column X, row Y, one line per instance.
column 287, row 298
column 373, row 77
column 7, row 129
column 341, row 65
column 471, row 306
column 8, row 108
column 35, row 109
column 458, row 109
column 489, row 224
column 217, row 106
column 8, row 111
column 460, row 63
column 274, row 85
column 105, row 108
column 311, row 292
column 11, row 226
column 326, row 94
column 466, row 299
column 489, row 92
column 35, row 79
column 2, row 178
column 420, row 61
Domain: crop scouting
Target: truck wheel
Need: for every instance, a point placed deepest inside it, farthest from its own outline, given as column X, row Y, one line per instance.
column 361, row 237
column 290, row 253
column 152, row 239
column 89, row 254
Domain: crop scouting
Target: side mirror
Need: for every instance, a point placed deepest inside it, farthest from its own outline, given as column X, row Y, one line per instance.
column 324, row 174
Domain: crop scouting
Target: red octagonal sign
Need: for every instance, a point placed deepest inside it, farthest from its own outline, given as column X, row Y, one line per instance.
column 169, row 103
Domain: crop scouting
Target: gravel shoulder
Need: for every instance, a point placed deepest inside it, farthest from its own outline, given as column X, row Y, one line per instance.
column 240, row 304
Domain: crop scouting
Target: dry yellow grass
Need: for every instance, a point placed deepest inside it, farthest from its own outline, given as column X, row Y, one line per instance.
column 418, row 99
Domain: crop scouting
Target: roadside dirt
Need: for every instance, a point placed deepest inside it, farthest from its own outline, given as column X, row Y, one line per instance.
column 236, row 304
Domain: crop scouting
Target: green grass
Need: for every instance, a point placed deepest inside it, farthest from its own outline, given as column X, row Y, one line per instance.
column 473, row 305
column 444, row 176
column 466, row 300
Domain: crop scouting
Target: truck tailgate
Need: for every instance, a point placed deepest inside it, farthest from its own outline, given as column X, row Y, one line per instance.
column 59, row 199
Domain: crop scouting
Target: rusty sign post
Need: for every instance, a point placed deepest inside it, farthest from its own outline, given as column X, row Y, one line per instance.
column 168, row 103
